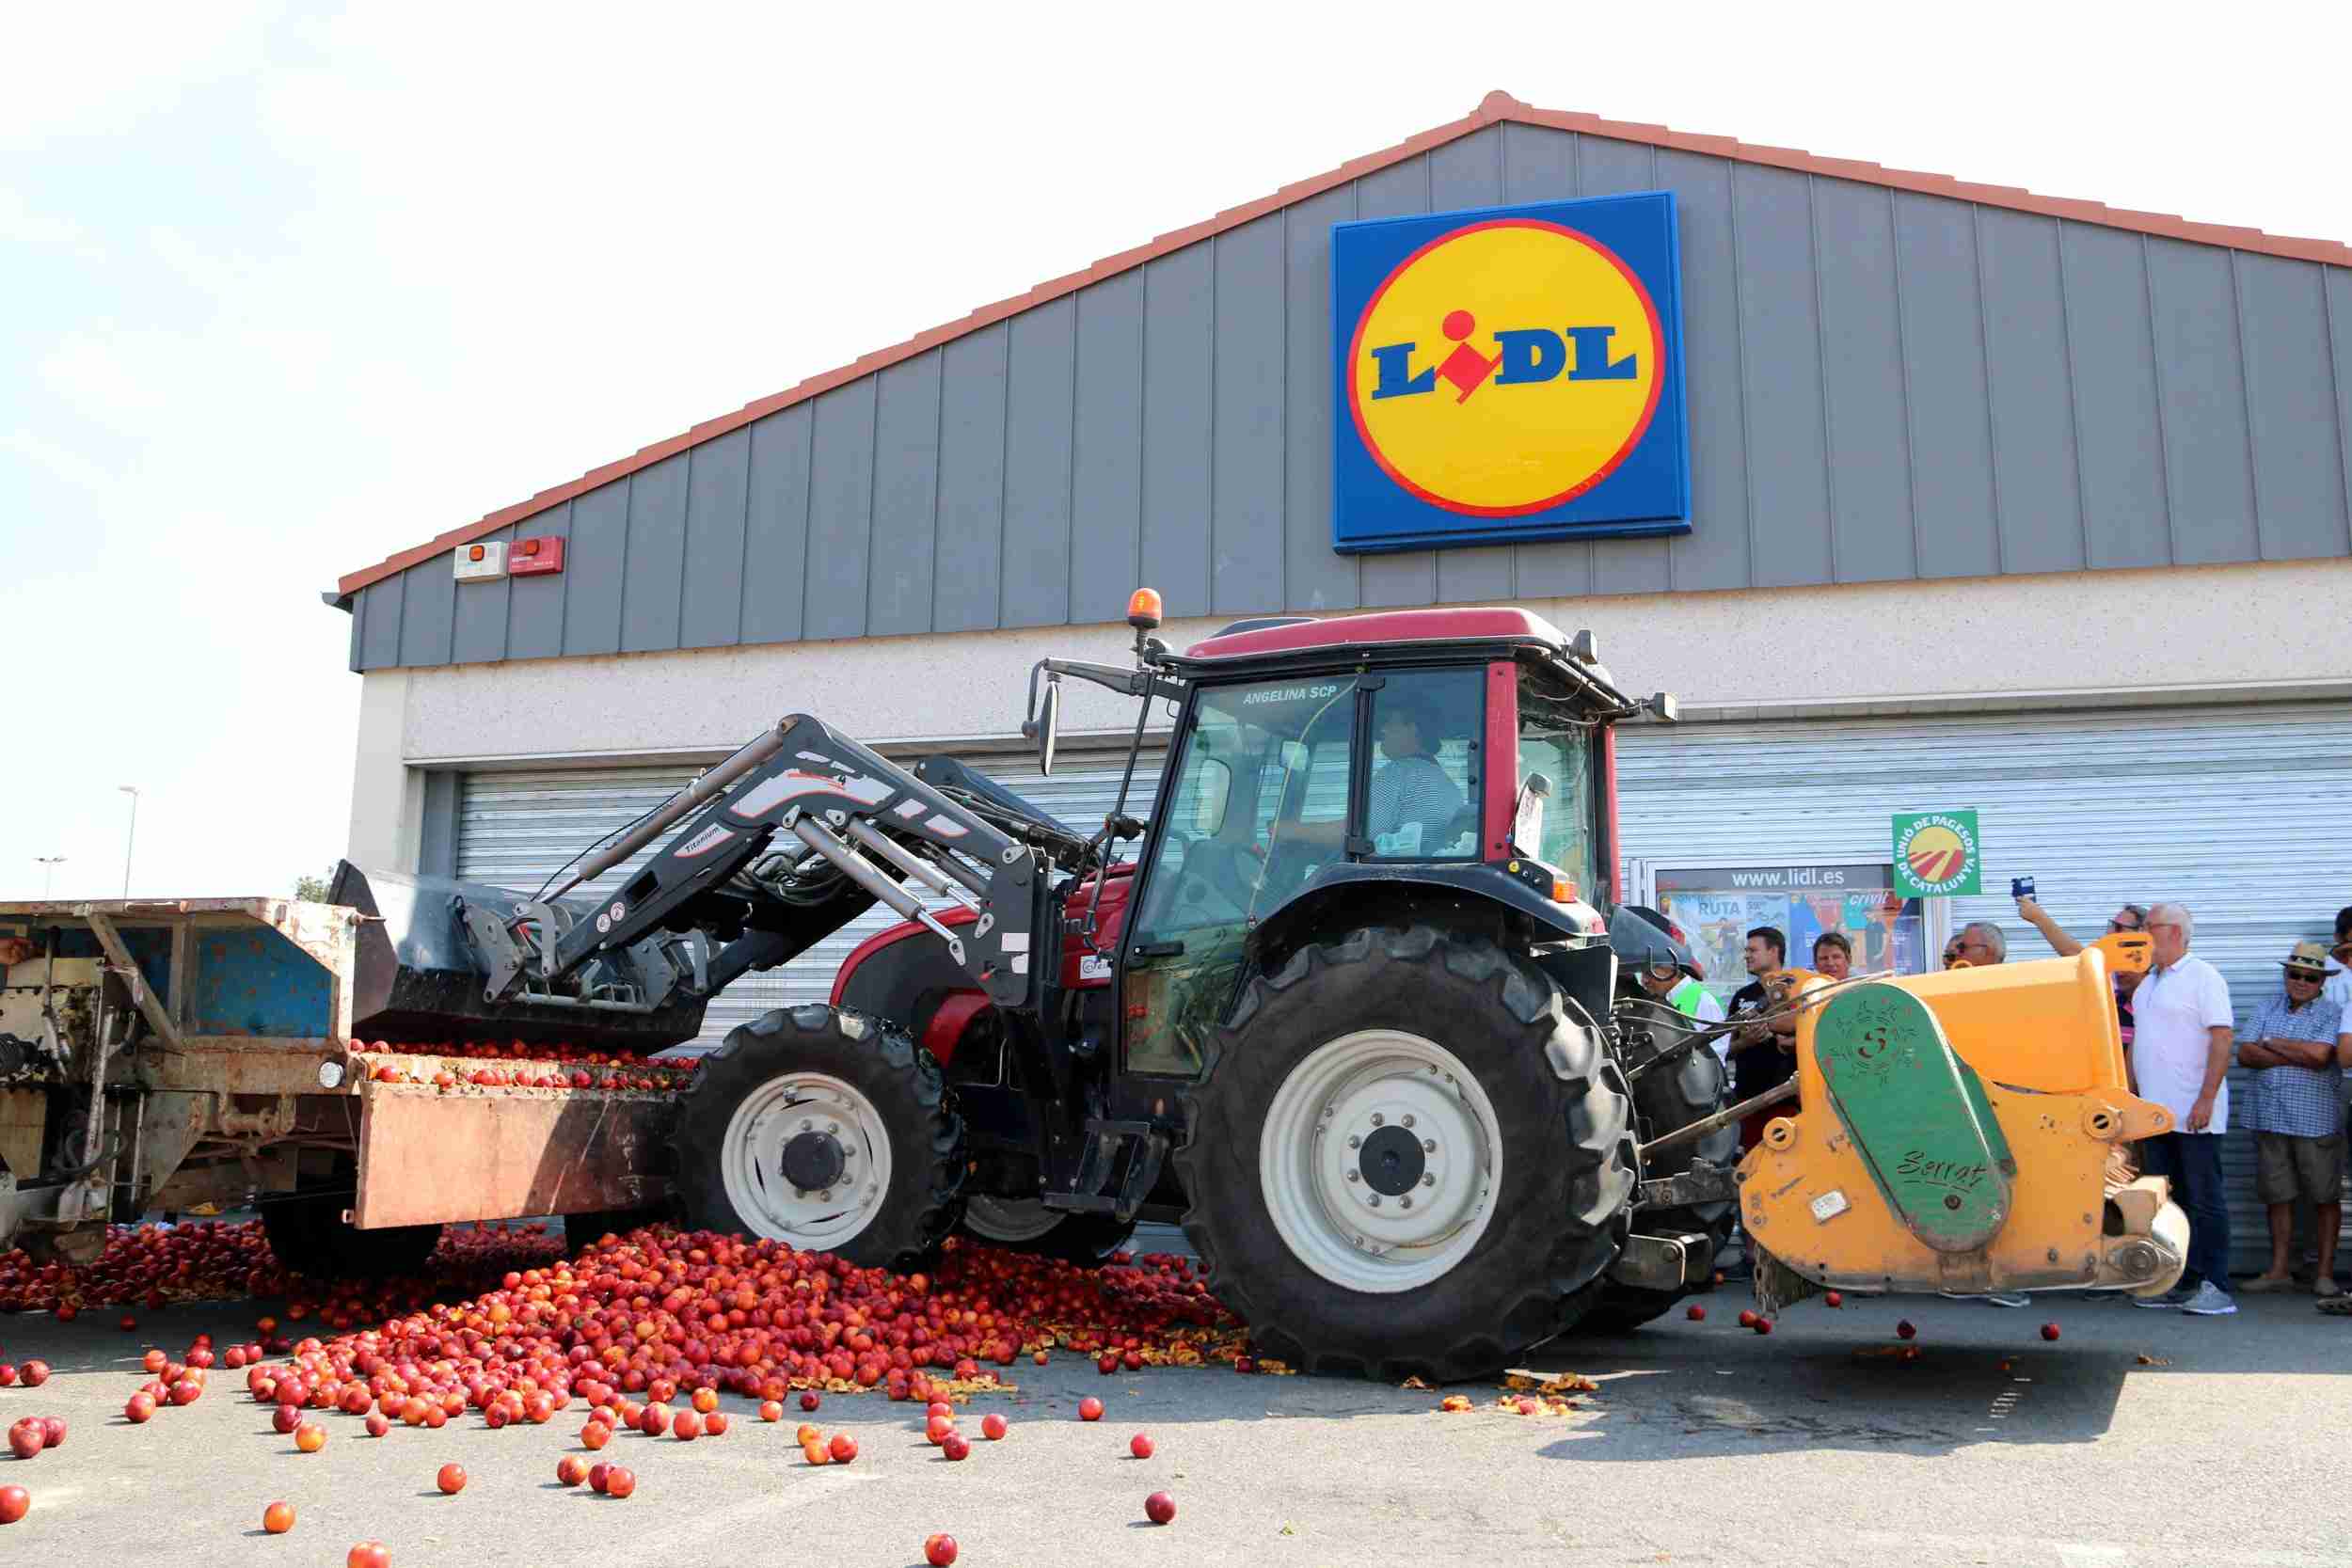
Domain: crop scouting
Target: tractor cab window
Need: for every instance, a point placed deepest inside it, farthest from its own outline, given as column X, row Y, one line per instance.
column 1421, row 801
column 1259, row 806
column 1257, row 809
column 1558, row 773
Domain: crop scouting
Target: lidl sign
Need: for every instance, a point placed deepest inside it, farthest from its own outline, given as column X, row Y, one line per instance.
column 1510, row 374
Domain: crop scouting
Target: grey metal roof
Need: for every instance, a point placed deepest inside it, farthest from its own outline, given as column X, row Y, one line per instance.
column 1884, row 384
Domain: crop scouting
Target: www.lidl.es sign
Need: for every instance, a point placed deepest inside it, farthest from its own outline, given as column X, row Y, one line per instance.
column 1512, row 373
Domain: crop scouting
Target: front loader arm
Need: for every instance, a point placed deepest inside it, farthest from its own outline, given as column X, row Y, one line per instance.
column 799, row 790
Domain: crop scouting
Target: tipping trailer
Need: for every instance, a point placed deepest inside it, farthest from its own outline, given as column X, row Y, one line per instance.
column 165, row 1053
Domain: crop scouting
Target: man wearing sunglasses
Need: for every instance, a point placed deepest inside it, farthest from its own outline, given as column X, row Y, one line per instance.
column 2290, row 1046
column 2130, row 918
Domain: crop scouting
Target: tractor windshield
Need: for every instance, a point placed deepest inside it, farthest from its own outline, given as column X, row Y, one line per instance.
column 1260, row 801
column 1556, row 822
column 1258, row 809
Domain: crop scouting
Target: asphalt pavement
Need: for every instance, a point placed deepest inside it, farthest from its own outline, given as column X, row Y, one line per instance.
column 2139, row 1437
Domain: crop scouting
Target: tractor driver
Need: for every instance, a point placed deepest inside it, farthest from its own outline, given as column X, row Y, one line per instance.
column 1411, row 799
column 1411, row 789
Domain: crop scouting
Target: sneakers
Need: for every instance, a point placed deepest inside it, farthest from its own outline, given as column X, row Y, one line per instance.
column 1991, row 1298
column 2171, row 1301
column 2210, row 1301
column 2264, row 1284
column 2326, row 1288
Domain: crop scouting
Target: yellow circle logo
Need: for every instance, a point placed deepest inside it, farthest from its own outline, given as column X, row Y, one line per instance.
column 1936, row 854
column 1505, row 368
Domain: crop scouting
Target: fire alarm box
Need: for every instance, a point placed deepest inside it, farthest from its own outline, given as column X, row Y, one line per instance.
column 531, row 558
column 482, row 563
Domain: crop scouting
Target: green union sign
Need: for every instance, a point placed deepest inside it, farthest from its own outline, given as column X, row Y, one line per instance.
column 1938, row 854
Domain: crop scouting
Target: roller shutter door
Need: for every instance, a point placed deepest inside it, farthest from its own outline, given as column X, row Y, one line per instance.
column 2239, row 813
column 515, row 829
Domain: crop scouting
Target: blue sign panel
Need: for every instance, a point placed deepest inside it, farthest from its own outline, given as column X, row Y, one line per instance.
column 1510, row 374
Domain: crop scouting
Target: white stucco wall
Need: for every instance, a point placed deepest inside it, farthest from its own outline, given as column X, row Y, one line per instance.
column 2084, row 638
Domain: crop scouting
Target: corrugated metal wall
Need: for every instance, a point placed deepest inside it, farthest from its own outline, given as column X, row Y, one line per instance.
column 515, row 828
column 2239, row 814
column 1882, row 384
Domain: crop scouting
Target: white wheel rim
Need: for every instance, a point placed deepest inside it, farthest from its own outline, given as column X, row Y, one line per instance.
column 751, row 1161
column 1346, row 1230
column 1009, row 1219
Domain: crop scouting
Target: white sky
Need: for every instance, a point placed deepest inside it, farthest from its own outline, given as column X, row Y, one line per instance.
column 283, row 289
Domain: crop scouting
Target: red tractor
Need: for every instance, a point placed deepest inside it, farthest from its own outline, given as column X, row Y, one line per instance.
column 1362, row 1014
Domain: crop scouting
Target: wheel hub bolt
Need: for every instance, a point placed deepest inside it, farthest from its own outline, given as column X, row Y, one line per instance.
column 1409, row 1121
column 1428, row 1181
column 1354, row 1176
column 1376, row 1118
column 1429, row 1146
column 832, row 1127
column 806, row 1125
column 825, row 1196
column 1375, row 1200
column 1404, row 1202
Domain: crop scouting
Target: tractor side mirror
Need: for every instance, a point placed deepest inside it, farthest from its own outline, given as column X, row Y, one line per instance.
column 1046, row 726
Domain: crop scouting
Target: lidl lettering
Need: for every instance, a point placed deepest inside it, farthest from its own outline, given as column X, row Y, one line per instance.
column 1524, row 356
column 1796, row 876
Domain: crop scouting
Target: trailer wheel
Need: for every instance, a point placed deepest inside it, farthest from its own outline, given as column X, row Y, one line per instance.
column 307, row 1232
column 1026, row 1225
column 1406, row 1159
column 827, row 1130
column 1665, row 1099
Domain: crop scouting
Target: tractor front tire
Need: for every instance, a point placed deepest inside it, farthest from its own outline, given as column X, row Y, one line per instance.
column 1665, row 1098
column 1406, row 1159
column 827, row 1130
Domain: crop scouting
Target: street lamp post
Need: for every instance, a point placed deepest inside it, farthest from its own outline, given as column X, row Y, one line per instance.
column 132, row 837
column 48, row 865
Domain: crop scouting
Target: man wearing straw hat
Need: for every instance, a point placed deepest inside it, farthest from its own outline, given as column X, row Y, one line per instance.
column 2290, row 1043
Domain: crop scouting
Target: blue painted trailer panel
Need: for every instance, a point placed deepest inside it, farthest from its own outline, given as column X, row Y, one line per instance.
column 250, row 980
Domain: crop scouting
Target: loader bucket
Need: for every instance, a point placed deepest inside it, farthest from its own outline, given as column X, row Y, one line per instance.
column 417, row 981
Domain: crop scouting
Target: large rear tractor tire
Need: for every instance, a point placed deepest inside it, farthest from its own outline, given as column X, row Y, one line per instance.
column 827, row 1130
column 1666, row 1097
column 1406, row 1159
column 1026, row 1225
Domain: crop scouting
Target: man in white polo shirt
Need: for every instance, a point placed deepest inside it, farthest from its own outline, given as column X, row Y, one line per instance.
column 2183, row 1036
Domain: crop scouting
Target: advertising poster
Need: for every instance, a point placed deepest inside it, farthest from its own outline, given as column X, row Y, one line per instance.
column 1717, row 906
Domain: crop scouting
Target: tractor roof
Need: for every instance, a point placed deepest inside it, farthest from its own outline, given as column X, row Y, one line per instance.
column 1382, row 630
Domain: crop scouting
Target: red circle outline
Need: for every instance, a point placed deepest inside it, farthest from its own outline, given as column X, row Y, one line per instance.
column 1641, row 425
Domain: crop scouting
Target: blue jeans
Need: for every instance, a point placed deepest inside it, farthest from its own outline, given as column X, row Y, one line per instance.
column 2192, row 1163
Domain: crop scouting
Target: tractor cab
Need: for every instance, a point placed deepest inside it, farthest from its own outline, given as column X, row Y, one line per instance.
column 1448, row 766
